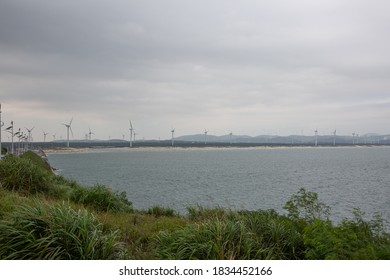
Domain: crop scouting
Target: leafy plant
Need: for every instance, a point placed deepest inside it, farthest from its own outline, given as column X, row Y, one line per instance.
column 56, row 232
column 21, row 174
column 215, row 239
column 158, row 211
column 305, row 206
column 278, row 235
column 101, row 198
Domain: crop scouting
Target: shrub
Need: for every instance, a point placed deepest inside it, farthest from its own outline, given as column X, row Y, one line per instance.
column 21, row 174
column 158, row 211
column 275, row 233
column 37, row 160
column 352, row 239
column 306, row 206
column 215, row 239
column 101, row 198
column 56, row 232
column 200, row 213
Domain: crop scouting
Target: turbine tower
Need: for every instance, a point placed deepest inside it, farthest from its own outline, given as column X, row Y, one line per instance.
column 131, row 134
column 353, row 138
column 29, row 139
column 90, row 134
column 334, row 137
column 231, row 136
column 316, row 139
column 205, row 136
column 29, row 134
column 10, row 129
column 68, row 127
column 173, row 134
column 44, row 136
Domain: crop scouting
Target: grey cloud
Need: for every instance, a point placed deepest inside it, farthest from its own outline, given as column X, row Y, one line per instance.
column 197, row 61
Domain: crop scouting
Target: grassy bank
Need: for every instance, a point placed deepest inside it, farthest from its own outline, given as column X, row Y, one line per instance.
column 46, row 216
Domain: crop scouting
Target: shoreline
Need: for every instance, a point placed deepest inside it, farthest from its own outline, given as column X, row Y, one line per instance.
column 70, row 150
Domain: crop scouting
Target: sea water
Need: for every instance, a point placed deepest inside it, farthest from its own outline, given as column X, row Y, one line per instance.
column 238, row 178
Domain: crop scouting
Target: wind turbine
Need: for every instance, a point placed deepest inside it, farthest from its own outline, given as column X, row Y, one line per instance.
column 231, row 136
column 54, row 136
column 44, row 136
column 10, row 129
column 173, row 134
column 68, row 127
column 131, row 134
column 334, row 137
column 29, row 136
column 353, row 138
column 89, row 134
column 316, row 139
column 205, row 136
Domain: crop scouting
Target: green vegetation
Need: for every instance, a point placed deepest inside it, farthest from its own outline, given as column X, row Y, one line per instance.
column 46, row 216
column 57, row 232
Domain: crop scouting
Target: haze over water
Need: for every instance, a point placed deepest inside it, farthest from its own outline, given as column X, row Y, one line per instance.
column 252, row 179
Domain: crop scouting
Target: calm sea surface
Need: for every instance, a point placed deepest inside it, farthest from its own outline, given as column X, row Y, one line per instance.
column 250, row 179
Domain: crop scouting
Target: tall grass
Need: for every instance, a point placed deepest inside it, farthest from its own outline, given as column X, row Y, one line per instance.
column 101, row 198
column 216, row 239
column 56, row 232
column 21, row 174
column 241, row 235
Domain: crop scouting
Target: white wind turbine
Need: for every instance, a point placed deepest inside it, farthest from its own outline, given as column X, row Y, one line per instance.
column 205, row 136
column 44, row 136
column 29, row 134
column 316, row 135
column 173, row 134
column 334, row 137
column 131, row 134
column 231, row 136
column 68, row 127
column 90, row 134
column 29, row 138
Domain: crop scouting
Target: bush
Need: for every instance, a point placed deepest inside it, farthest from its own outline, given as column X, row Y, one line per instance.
column 56, row 232
column 37, row 160
column 215, row 239
column 275, row 233
column 21, row 174
column 101, row 198
column 158, row 211
column 201, row 213
column 352, row 239
column 305, row 206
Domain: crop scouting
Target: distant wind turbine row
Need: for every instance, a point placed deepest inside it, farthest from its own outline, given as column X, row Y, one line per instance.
column 26, row 139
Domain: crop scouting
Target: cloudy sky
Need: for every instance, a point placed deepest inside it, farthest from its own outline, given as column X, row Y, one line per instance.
column 251, row 67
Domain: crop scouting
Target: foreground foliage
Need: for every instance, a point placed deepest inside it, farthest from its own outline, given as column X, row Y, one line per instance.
column 56, row 232
column 46, row 216
column 22, row 174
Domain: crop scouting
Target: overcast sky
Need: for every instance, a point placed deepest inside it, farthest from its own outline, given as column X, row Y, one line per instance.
column 250, row 67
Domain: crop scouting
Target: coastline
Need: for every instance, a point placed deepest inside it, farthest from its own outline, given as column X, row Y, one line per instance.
column 71, row 150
